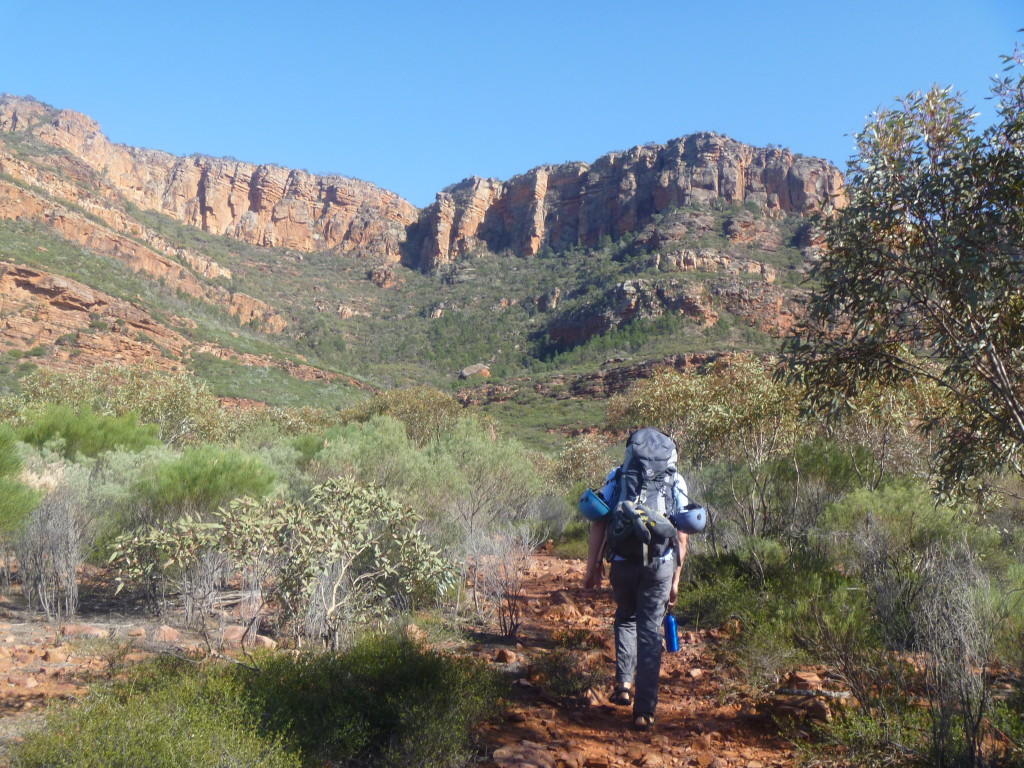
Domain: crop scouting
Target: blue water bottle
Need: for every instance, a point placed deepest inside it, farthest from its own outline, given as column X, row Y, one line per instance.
column 671, row 633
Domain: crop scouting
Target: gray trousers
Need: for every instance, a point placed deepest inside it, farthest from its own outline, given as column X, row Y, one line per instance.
column 641, row 597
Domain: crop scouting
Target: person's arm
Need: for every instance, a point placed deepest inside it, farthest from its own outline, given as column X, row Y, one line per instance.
column 682, row 497
column 674, row 591
column 595, row 551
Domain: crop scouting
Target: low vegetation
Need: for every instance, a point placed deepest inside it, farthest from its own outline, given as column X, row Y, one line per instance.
column 383, row 702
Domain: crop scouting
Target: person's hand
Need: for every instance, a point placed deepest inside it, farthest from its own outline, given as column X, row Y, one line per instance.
column 592, row 580
column 673, row 593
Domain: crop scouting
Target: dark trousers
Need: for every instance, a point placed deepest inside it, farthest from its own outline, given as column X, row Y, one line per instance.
column 641, row 597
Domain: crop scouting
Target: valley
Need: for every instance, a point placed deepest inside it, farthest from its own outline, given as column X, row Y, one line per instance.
column 557, row 276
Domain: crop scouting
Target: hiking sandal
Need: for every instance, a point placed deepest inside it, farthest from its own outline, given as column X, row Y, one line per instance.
column 623, row 694
column 643, row 722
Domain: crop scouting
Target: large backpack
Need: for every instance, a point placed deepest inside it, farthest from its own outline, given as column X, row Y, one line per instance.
column 639, row 530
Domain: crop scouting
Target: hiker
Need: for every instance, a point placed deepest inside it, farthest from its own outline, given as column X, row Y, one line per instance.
column 642, row 494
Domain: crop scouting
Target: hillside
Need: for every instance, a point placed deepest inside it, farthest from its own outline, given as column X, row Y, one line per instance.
column 542, row 283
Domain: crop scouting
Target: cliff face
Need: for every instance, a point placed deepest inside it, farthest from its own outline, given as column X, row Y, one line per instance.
column 554, row 206
column 259, row 204
column 685, row 256
column 562, row 205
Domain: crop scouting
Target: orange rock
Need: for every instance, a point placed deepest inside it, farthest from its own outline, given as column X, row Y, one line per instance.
column 84, row 630
column 702, row 743
column 166, row 634
column 261, row 205
column 233, row 634
column 505, row 656
column 803, row 680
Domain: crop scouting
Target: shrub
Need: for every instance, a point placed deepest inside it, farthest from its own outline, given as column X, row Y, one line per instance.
column 585, row 460
column 765, row 653
column 50, row 550
column 343, row 554
column 385, row 702
column 86, row 433
column 16, row 498
column 199, row 481
column 467, row 481
column 714, row 591
column 840, row 629
column 500, row 562
column 379, row 451
column 175, row 717
column 107, row 486
column 956, row 629
column 500, row 484
column 869, row 738
column 426, row 413
column 183, row 408
column 890, row 538
column 567, row 673
column 308, row 446
column 332, row 563
column 574, row 541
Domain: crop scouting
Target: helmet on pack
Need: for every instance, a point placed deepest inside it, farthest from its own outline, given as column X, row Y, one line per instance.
column 592, row 506
column 692, row 518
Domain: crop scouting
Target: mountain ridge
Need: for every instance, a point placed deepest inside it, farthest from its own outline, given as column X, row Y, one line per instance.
column 694, row 247
column 554, row 206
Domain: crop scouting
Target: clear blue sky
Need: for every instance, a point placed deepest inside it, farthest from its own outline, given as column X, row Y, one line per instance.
column 414, row 96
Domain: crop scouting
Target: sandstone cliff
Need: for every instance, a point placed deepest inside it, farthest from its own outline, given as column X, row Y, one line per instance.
column 575, row 203
column 554, row 206
column 58, row 169
column 259, row 204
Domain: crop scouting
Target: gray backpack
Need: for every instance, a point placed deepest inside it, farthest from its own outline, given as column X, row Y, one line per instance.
column 639, row 530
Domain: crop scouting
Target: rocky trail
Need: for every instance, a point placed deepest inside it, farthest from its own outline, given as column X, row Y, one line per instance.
column 696, row 725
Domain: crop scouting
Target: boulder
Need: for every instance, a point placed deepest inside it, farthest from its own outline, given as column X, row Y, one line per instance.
column 166, row 634
column 479, row 370
column 85, row 630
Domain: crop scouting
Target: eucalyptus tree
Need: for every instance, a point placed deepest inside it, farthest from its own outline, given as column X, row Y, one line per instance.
column 922, row 277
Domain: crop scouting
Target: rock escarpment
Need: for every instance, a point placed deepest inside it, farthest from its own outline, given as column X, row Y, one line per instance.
column 560, row 206
column 628, row 301
column 25, row 204
column 259, row 204
column 79, row 326
column 552, row 206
